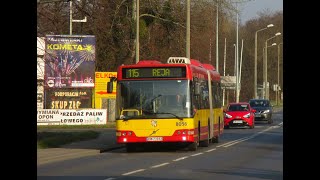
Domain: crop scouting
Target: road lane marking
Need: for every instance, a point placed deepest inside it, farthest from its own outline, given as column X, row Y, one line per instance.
column 132, row 172
column 159, row 165
column 231, row 142
column 211, row 150
column 250, row 137
column 237, row 142
column 109, row 178
column 182, row 158
column 223, row 145
column 196, row 154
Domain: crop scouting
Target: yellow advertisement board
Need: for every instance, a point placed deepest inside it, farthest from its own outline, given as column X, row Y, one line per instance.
column 101, row 80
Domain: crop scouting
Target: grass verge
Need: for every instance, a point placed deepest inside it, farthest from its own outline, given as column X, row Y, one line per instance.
column 57, row 139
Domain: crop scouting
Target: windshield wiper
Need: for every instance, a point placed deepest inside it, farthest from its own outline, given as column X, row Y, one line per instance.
column 170, row 114
column 155, row 98
column 126, row 118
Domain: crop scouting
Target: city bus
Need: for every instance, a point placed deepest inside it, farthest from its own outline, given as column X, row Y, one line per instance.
column 178, row 102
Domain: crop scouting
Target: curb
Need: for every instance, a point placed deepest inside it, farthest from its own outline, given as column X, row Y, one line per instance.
column 111, row 148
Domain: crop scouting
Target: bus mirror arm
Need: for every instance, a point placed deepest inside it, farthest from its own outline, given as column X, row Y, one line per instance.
column 110, row 84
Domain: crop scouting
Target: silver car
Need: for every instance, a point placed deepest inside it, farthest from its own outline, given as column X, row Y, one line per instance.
column 263, row 109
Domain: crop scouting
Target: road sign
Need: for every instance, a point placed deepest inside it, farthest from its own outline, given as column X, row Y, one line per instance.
column 228, row 82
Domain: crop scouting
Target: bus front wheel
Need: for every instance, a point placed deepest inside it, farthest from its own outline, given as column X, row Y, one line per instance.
column 194, row 146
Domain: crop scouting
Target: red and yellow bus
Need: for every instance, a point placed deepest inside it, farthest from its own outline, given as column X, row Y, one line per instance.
column 178, row 102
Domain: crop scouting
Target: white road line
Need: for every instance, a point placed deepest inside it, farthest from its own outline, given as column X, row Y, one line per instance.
column 250, row 137
column 109, row 178
column 211, row 150
column 237, row 142
column 196, row 154
column 132, row 172
column 224, row 145
column 182, row 158
column 232, row 142
column 159, row 165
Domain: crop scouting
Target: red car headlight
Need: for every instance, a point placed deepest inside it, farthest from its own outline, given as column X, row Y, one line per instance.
column 228, row 115
column 247, row 115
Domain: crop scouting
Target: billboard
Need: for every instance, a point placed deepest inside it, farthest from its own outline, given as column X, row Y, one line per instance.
column 66, row 98
column 104, row 99
column 40, row 55
column 101, row 80
column 71, row 117
column 69, row 61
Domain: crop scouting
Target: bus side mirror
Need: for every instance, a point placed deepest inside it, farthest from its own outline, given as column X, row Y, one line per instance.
column 110, row 84
column 109, row 87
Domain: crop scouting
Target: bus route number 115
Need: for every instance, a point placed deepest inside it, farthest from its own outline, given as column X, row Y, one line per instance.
column 133, row 72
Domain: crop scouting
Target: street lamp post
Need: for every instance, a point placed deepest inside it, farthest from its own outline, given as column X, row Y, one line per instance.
column 264, row 48
column 255, row 59
column 74, row 20
column 277, row 91
column 263, row 54
column 265, row 69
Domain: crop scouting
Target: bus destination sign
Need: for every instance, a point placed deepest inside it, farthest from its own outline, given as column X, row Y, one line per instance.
column 154, row 72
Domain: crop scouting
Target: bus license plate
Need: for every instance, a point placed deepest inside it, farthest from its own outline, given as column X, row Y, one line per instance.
column 154, row 139
column 237, row 121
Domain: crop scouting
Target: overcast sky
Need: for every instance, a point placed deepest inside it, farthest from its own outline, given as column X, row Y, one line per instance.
column 250, row 9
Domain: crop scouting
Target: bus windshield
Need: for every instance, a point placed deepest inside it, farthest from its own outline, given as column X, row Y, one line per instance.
column 153, row 99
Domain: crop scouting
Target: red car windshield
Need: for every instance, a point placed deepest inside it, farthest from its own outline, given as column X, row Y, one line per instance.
column 238, row 107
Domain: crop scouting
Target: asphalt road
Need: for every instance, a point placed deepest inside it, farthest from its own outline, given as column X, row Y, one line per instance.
column 242, row 153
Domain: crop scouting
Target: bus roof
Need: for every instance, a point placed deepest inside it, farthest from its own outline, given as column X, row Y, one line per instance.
column 193, row 67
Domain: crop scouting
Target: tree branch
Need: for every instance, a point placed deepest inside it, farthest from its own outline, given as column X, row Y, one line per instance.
column 150, row 15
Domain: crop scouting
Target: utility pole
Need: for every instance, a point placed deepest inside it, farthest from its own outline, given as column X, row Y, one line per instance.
column 74, row 20
column 137, row 31
column 224, row 68
column 237, row 51
column 217, row 37
column 240, row 67
column 70, row 6
column 188, row 31
column 237, row 56
column 210, row 52
column 235, row 70
column 278, row 86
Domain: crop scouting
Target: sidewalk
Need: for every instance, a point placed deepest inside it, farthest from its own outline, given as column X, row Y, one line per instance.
column 106, row 141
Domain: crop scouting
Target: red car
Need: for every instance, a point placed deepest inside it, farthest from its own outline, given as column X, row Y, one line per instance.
column 239, row 115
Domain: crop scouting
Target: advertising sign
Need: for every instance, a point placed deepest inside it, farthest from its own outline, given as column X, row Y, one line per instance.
column 69, row 61
column 39, row 100
column 228, row 82
column 68, row 98
column 101, row 80
column 71, row 117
